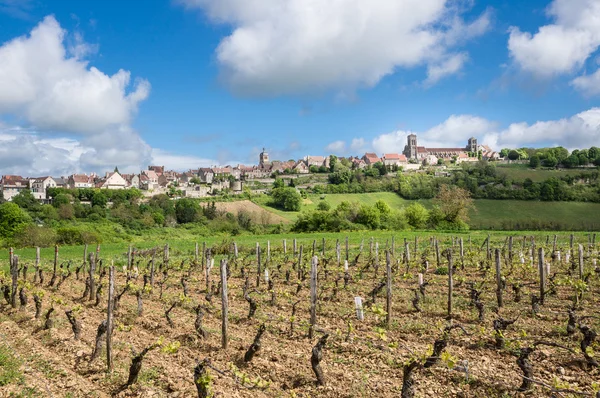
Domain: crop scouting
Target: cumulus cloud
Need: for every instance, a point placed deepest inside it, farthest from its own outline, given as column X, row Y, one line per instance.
column 299, row 46
column 589, row 85
column 561, row 47
column 336, row 147
column 48, row 85
column 450, row 66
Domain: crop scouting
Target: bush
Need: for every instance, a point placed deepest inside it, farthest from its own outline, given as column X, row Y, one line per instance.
column 33, row 235
column 75, row 236
column 12, row 219
column 441, row 271
column 416, row 215
column 323, row 206
column 187, row 210
column 287, row 199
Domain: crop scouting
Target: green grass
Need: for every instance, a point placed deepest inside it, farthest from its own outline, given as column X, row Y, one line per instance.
column 488, row 214
column 9, row 367
column 519, row 172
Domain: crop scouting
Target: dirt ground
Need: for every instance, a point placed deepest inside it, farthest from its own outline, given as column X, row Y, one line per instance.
column 258, row 214
column 360, row 359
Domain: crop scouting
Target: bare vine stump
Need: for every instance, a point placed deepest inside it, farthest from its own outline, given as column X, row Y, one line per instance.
column 100, row 337
column 408, row 390
column 525, row 366
column 140, row 303
column 38, row 305
column 75, row 324
column 500, row 325
column 49, row 323
column 315, row 360
column 202, row 378
column 255, row 346
column 23, row 298
column 589, row 336
column 168, row 314
column 198, row 324
column 135, row 368
column 416, row 301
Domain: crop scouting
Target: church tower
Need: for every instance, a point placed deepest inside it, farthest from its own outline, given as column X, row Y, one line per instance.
column 263, row 158
column 410, row 150
column 472, row 145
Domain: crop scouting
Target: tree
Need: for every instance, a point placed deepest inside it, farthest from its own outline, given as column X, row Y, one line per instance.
column 12, row 219
column 550, row 161
column 534, row 162
column 332, row 163
column 513, row 155
column 195, row 181
column 278, row 183
column 381, row 168
column 25, row 200
column 504, row 152
column 416, row 215
column 323, row 206
column 2, row 200
column 186, row 210
column 368, row 216
column 287, row 199
column 571, row 161
column 61, row 199
column 313, row 169
column 454, row 203
column 99, row 199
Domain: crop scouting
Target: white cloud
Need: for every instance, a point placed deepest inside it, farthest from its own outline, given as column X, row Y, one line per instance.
column 450, row 66
column 47, row 84
column 54, row 92
column 358, row 145
column 588, row 84
column 179, row 162
column 336, row 147
column 298, row 46
column 561, row 47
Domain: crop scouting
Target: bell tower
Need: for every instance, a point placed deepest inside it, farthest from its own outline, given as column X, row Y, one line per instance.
column 263, row 158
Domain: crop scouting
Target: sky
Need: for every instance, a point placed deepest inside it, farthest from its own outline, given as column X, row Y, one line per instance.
column 89, row 85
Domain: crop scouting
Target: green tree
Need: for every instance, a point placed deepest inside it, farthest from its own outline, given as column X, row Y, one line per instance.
column 416, row 215
column 368, row 216
column 186, row 210
column 550, row 161
column 534, row 162
column 513, row 155
column 61, row 199
column 12, row 219
column 454, row 203
column 278, row 183
column 323, row 206
column 25, row 200
column 287, row 199
column 99, row 199
column 332, row 163
column 504, row 152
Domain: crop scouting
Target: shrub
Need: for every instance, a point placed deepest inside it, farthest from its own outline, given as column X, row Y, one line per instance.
column 12, row 219
column 416, row 215
column 323, row 206
column 33, row 235
column 441, row 271
column 287, row 199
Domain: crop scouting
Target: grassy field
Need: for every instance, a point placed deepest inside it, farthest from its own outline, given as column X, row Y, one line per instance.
column 519, row 172
column 488, row 214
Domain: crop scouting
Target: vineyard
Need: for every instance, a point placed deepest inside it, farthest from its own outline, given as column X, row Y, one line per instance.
column 427, row 316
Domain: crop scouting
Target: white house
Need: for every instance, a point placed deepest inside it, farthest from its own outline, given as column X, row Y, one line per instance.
column 39, row 186
column 112, row 181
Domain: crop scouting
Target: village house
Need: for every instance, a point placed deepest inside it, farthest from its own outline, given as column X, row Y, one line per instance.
column 206, row 175
column 80, row 181
column 148, row 180
column 370, row 158
column 357, row 163
column 12, row 185
column 317, row 161
column 112, row 180
column 301, row 168
column 394, row 159
column 159, row 170
column 39, row 185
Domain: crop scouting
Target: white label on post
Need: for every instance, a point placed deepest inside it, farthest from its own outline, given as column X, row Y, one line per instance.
column 420, row 280
column 548, row 268
column 212, row 264
column 267, row 275
column 359, row 308
column 558, row 256
column 346, row 265
column 594, row 262
column 567, row 257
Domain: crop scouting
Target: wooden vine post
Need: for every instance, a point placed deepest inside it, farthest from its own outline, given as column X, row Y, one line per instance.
column 348, row 249
column 55, row 261
column 196, row 249
column 257, row 264
column 284, row 247
column 462, row 252
column 166, row 256
column 14, row 273
column 92, row 281
column 152, row 268
column 581, row 262
column 542, row 270
column 109, row 316
column 37, row 263
column 510, row 250
column 498, row 280
column 224, row 305
column 450, row 283
column 406, row 252
column 313, row 296
column 388, row 270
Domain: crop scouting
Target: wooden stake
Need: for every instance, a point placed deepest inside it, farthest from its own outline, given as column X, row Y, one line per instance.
column 542, row 270
column 92, row 281
column 224, row 305
column 347, row 250
column 498, row 280
column 450, row 283
column 313, row 296
column 196, row 250
column 55, row 261
column 284, row 246
column 152, row 268
column 295, row 246
column 258, row 265
column 388, row 269
column 14, row 273
column 109, row 316
column 37, row 264
column 580, row 262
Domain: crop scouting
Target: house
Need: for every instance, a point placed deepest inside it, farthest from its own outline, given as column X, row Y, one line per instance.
column 370, row 158
column 301, row 168
column 80, row 181
column 159, row 170
column 12, row 185
column 206, row 175
column 148, row 180
column 430, row 160
column 394, row 159
column 61, row 182
column 133, row 180
column 39, row 186
column 463, row 157
column 358, row 163
column 112, row 180
column 317, row 161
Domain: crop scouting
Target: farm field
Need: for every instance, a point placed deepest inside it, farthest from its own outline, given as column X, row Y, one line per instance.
column 359, row 358
column 520, row 172
column 488, row 214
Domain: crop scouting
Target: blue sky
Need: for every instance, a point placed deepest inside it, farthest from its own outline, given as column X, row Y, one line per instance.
column 86, row 85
